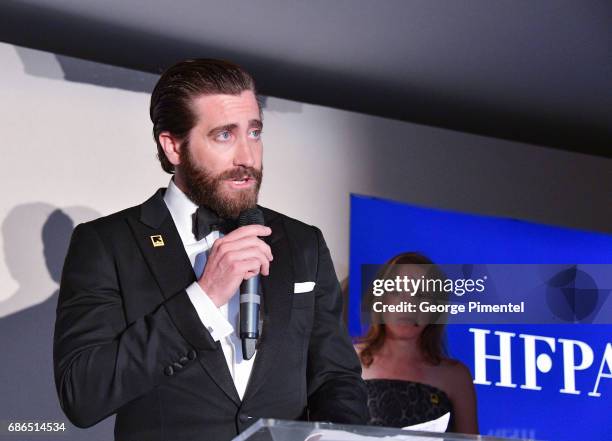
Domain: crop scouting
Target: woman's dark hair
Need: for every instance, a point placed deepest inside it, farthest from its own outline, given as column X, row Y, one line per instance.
column 175, row 90
column 431, row 340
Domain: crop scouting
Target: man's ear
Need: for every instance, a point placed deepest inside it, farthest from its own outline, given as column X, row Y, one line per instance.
column 171, row 146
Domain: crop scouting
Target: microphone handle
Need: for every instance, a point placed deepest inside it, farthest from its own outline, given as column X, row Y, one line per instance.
column 249, row 315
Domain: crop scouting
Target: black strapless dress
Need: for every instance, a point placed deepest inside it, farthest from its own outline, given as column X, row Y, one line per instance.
column 399, row 403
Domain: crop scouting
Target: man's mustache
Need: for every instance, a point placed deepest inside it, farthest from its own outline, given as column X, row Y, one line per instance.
column 240, row 173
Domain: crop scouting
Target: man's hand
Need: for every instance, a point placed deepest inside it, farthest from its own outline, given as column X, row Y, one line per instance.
column 238, row 256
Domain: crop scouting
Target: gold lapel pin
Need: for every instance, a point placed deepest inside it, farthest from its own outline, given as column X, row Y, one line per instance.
column 157, row 240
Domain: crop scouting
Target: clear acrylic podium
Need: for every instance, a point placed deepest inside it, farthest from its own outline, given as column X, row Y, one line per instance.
column 280, row 430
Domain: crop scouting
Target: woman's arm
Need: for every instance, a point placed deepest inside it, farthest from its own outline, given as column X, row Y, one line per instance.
column 463, row 398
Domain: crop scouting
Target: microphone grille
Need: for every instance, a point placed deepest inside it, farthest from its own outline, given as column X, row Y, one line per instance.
column 252, row 216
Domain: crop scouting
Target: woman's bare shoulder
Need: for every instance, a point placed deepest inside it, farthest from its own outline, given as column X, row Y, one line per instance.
column 456, row 375
column 454, row 367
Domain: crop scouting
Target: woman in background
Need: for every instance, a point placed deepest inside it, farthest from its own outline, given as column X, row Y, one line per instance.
column 409, row 378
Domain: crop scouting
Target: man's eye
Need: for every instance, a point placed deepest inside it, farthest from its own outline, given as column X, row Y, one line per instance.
column 255, row 133
column 224, row 135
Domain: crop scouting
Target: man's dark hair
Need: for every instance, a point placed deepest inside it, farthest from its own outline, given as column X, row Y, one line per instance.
column 171, row 99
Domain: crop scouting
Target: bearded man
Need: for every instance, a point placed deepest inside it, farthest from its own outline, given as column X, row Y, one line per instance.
column 148, row 308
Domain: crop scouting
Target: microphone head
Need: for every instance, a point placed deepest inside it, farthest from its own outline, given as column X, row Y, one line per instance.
column 252, row 216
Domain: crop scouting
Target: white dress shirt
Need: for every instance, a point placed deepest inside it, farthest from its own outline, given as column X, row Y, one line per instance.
column 223, row 322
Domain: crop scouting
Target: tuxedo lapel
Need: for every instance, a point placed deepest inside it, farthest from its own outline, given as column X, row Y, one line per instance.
column 277, row 290
column 162, row 247
column 164, row 252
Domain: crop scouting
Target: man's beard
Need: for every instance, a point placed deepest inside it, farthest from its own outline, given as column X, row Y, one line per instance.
column 203, row 188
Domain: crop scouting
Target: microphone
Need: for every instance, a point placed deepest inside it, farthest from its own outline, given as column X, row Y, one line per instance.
column 249, row 294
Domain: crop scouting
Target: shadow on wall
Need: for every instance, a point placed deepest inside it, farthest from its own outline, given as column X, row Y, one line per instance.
column 60, row 67
column 36, row 238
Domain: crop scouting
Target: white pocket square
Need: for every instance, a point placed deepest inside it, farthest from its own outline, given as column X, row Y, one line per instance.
column 301, row 287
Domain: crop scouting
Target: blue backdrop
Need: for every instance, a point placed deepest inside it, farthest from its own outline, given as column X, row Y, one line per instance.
column 380, row 229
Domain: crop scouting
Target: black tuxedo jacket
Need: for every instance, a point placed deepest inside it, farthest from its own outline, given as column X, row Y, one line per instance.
column 128, row 340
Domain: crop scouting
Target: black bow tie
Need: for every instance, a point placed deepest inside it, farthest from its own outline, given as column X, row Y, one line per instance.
column 205, row 220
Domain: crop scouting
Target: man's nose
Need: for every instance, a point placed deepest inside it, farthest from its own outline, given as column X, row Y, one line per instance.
column 244, row 154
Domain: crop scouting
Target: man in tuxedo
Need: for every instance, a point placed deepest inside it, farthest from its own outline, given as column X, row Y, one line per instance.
column 148, row 308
